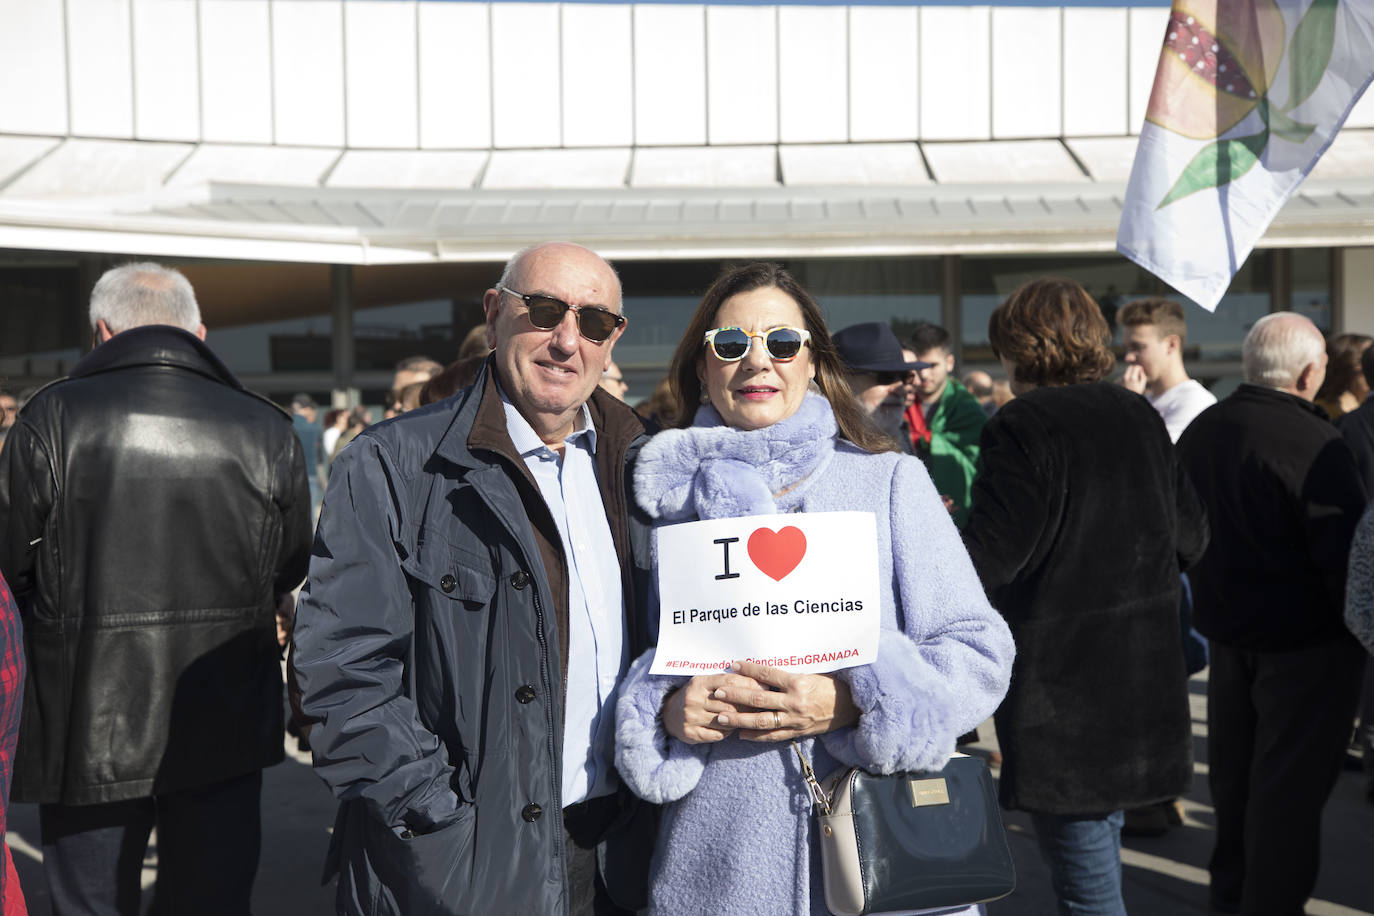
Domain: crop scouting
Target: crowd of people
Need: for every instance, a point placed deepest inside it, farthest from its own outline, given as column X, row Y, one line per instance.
column 469, row 659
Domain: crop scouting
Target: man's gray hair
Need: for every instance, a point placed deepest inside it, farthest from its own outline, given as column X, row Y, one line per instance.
column 1278, row 347
column 512, row 267
column 134, row 295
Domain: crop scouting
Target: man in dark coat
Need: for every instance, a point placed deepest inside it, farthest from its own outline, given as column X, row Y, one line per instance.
column 1283, row 496
column 469, row 614
column 1357, row 428
column 154, row 518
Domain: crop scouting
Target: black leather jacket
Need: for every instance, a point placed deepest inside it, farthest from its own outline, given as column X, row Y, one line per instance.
column 151, row 509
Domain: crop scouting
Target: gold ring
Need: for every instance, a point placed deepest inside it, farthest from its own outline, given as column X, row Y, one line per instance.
column 777, row 719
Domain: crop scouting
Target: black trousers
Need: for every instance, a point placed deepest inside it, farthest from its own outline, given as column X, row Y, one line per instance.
column 1367, row 731
column 1278, row 726
column 208, row 840
column 584, row 826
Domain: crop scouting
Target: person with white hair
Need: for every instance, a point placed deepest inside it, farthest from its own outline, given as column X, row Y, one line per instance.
column 1283, row 496
column 141, row 294
column 154, row 519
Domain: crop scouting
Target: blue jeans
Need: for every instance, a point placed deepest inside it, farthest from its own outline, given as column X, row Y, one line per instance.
column 1084, row 855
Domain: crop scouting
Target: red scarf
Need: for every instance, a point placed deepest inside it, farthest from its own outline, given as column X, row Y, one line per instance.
column 916, row 422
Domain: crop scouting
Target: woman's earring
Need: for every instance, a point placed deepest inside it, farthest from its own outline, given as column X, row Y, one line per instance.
column 705, row 398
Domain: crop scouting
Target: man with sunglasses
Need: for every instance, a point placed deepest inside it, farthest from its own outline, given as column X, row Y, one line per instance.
column 879, row 371
column 468, row 618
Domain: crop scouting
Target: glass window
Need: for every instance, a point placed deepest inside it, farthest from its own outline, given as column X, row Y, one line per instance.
column 263, row 347
column 899, row 291
column 1113, row 281
column 266, row 319
column 660, row 297
column 402, row 311
column 1218, row 336
column 386, row 334
column 1311, row 270
column 986, row 282
column 43, row 316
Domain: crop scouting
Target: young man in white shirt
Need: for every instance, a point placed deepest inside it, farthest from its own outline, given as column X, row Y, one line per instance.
column 1154, row 332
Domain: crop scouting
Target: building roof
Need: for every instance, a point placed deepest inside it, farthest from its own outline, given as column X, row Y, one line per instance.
column 412, row 206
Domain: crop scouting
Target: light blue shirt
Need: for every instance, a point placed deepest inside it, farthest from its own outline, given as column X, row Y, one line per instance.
column 596, row 605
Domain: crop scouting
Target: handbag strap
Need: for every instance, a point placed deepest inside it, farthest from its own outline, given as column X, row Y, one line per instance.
column 819, row 799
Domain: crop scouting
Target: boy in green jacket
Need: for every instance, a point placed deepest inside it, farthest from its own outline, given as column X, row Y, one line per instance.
column 946, row 421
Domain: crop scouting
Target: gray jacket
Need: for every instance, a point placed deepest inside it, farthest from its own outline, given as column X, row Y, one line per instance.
column 430, row 651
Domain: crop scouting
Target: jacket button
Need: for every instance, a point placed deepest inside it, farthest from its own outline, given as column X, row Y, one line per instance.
column 531, row 812
column 520, row 579
column 524, row 693
column 448, row 584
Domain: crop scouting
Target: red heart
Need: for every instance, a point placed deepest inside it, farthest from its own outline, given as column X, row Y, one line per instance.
column 777, row 553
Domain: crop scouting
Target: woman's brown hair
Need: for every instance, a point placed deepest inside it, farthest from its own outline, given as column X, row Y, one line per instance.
column 685, row 384
column 1343, row 354
column 1054, row 332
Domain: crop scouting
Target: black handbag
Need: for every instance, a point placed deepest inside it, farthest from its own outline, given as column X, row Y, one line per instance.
column 910, row 841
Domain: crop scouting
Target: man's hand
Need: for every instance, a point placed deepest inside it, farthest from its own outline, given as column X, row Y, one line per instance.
column 797, row 705
column 1133, row 379
column 286, row 618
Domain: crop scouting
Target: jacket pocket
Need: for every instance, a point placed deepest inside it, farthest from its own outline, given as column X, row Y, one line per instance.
column 426, row 874
column 453, row 573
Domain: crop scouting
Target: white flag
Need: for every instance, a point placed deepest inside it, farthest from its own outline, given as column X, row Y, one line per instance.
column 1247, row 97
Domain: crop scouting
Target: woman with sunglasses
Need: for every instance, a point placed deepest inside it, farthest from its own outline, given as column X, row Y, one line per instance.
column 766, row 424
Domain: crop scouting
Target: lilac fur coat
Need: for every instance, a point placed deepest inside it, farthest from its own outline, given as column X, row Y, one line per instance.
column 735, row 835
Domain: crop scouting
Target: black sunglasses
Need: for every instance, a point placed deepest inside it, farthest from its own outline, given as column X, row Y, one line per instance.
column 594, row 322
column 732, row 344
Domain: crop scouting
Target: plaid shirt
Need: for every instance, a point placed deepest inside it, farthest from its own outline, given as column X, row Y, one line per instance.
column 11, row 698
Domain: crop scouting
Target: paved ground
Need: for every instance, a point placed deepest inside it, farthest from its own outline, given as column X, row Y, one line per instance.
column 1165, row 876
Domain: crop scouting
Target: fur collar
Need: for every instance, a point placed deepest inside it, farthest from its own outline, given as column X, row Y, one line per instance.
column 711, row 470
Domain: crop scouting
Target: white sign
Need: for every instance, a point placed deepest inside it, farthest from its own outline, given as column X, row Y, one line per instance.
column 797, row 592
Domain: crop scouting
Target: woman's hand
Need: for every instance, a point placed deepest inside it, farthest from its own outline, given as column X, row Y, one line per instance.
column 693, row 714
column 771, row 705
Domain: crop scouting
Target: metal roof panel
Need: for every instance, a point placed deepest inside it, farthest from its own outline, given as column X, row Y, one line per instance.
column 1006, row 161
column 557, row 168
column 301, row 166
column 704, row 167
column 99, row 168
column 408, row 169
column 852, row 164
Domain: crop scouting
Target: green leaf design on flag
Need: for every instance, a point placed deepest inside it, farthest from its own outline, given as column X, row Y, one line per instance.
column 1288, row 129
column 1217, row 164
column 1310, row 51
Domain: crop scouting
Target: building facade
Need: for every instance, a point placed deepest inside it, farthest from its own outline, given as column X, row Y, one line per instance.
column 341, row 179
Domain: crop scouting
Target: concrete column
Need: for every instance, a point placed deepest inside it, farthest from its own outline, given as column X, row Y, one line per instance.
column 1280, row 280
column 1352, row 293
column 341, row 294
column 951, row 309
